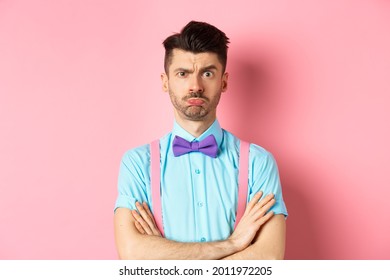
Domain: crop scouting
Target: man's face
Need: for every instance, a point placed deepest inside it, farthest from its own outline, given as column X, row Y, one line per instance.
column 195, row 83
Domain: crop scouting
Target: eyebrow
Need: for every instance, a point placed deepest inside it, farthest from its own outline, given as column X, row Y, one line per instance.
column 207, row 68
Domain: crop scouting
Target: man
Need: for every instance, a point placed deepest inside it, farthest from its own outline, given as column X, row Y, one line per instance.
column 199, row 189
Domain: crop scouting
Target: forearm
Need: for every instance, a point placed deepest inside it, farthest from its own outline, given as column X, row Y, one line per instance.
column 247, row 254
column 269, row 243
column 154, row 247
column 131, row 244
column 253, row 253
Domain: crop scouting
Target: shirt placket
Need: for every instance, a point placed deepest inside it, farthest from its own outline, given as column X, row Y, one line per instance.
column 198, row 185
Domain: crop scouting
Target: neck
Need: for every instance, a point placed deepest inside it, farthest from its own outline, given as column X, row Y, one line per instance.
column 195, row 128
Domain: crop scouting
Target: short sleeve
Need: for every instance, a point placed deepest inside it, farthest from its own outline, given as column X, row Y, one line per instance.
column 264, row 176
column 134, row 177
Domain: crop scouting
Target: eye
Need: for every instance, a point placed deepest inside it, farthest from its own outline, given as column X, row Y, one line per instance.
column 181, row 74
column 208, row 74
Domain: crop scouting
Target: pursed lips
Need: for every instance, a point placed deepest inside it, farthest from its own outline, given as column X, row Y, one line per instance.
column 195, row 101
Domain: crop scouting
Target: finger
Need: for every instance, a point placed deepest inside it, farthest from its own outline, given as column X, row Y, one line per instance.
column 265, row 200
column 142, row 222
column 265, row 218
column 260, row 203
column 145, row 205
column 145, row 215
column 154, row 226
column 139, row 227
column 142, row 211
column 255, row 199
column 260, row 211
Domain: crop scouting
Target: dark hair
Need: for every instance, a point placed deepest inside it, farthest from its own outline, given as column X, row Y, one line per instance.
column 197, row 37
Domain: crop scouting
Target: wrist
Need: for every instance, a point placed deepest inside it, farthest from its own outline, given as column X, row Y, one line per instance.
column 233, row 244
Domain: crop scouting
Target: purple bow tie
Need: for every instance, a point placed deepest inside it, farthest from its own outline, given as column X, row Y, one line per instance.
column 207, row 146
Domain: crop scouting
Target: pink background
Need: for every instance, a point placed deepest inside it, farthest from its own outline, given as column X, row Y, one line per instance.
column 79, row 85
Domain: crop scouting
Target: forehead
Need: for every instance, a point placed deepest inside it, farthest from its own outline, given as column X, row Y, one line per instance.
column 188, row 59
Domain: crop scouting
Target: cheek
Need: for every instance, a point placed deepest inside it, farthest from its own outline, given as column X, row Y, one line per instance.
column 179, row 87
column 216, row 87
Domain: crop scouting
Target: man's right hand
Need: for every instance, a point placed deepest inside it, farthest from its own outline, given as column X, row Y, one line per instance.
column 144, row 220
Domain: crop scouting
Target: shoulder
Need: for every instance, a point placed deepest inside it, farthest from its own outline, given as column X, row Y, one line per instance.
column 262, row 160
column 257, row 152
column 141, row 155
column 137, row 155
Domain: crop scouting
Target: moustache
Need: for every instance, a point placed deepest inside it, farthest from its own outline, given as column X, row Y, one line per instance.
column 197, row 94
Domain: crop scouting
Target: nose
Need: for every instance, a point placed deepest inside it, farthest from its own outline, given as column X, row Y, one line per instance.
column 196, row 84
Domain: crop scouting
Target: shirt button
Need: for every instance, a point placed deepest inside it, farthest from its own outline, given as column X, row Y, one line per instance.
column 197, row 171
column 200, row 204
column 203, row 239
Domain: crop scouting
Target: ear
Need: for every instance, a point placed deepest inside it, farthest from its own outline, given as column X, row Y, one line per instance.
column 225, row 77
column 164, row 81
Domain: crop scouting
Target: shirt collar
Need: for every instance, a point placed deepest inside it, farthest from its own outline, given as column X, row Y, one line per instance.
column 215, row 129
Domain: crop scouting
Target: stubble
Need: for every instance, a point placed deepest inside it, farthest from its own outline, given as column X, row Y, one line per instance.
column 194, row 113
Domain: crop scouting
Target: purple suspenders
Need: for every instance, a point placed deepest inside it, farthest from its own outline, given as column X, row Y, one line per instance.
column 156, row 190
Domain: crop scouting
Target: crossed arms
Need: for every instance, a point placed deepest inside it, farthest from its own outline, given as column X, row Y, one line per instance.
column 259, row 235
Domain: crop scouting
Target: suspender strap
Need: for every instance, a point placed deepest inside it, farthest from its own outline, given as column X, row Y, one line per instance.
column 155, row 183
column 243, row 172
